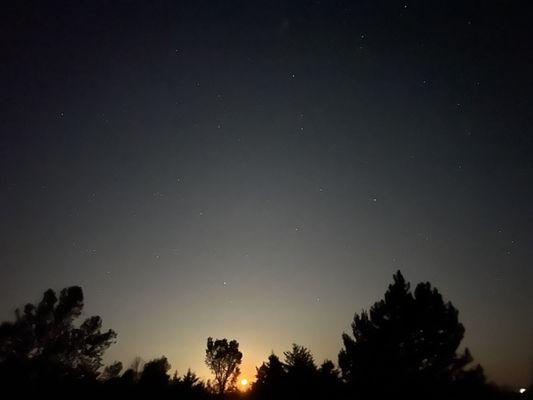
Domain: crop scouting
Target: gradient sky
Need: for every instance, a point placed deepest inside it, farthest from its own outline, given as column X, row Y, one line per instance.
column 258, row 170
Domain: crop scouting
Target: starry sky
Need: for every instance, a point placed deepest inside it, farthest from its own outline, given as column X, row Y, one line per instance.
column 258, row 170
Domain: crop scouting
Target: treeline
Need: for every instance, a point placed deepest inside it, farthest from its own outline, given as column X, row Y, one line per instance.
column 405, row 346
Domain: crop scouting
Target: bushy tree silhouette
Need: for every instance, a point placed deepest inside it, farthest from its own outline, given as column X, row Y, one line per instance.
column 296, row 378
column 329, row 379
column 111, row 371
column 189, row 380
column 270, row 377
column 189, row 386
column 223, row 358
column 44, row 346
column 406, row 343
column 155, row 373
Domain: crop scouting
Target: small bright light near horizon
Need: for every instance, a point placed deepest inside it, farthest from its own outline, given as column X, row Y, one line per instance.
column 522, row 390
column 244, row 382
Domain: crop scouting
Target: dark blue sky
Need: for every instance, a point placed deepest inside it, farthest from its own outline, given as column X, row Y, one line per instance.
column 259, row 169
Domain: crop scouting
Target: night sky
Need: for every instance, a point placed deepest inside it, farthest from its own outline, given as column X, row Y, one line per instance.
column 258, row 170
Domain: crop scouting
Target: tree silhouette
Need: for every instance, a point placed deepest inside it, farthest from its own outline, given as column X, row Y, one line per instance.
column 154, row 373
column 270, row 372
column 302, row 373
column 189, row 380
column 270, row 378
column 189, row 386
column 296, row 378
column 327, row 369
column 406, row 342
column 299, row 360
column 223, row 358
column 330, row 385
column 111, row 371
column 43, row 345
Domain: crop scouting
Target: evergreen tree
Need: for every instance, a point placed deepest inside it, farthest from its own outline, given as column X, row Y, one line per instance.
column 406, row 343
column 45, row 346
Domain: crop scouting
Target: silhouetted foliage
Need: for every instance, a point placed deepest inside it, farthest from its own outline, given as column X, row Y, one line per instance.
column 270, row 378
column 299, row 361
column 189, row 386
column 406, row 343
column 302, row 373
column 270, row 373
column 111, row 371
column 154, row 373
column 296, row 378
column 189, row 380
column 43, row 346
column 329, row 378
column 129, row 377
column 405, row 346
column 223, row 358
